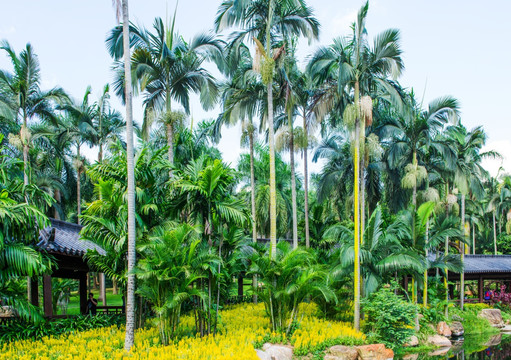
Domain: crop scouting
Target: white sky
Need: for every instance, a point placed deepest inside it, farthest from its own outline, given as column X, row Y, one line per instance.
column 454, row 47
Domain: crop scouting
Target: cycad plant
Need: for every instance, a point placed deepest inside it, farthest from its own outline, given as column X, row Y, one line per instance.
column 286, row 280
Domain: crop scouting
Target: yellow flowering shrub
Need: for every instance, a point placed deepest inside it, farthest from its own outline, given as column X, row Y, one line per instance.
column 241, row 327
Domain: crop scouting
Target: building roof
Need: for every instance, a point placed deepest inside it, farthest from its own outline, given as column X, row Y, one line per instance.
column 487, row 264
column 64, row 238
column 483, row 264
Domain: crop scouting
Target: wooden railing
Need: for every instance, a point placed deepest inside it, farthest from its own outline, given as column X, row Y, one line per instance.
column 110, row 310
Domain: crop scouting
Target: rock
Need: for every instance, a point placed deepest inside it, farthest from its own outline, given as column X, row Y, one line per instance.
column 443, row 329
column 278, row 352
column 262, row 355
column 7, row 311
column 457, row 329
column 340, row 352
column 439, row 352
column 373, row 352
column 506, row 328
column 388, row 354
column 411, row 357
column 413, row 341
column 494, row 316
column 439, row 340
column 494, row 340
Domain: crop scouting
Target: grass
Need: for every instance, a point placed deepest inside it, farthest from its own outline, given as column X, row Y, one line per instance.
column 74, row 302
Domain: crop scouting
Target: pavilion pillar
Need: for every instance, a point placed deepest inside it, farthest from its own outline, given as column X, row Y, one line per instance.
column 47, row 296
column 240, row 285
column 83, row 293
column 102, row 288
column 34, row 291
column 480, row 288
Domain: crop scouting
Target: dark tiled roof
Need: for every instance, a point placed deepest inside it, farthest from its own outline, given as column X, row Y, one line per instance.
column 479, row 264
column 64, row 238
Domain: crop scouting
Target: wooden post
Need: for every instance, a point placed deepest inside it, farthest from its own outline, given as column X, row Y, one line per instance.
column 83, row 293
column 102, row 288
column 47, row 298
column 240, row 286
column 34, row 291
column 480, row 288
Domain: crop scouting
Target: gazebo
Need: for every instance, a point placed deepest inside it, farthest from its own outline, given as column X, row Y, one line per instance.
column 62, row 240
column 485, row 269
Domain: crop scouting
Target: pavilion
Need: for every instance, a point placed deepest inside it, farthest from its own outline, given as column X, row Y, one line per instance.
column 62, row 240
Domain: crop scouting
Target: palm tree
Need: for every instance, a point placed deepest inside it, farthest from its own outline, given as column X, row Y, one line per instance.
column 352, row 71
column 128, row 95
column 167, row 68
column 108, row 123
column 263, row 19
column 24, row 97
column 77, row 128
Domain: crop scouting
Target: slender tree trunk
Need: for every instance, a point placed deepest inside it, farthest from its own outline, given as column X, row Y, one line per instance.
column 494, row 235
column 170, row 143
column 271, row 140
column 130, row 303
column 252, row 198
column 100, row 153
column 102, row 288
column 473, row 238
column 78, row 185
column 425, row 290
column 24, row 140
column 356, row 162
column 462, row 252
column 293, row 179
column 446, row 252
column 58, row 199
column 306, row 179
column 115, row 289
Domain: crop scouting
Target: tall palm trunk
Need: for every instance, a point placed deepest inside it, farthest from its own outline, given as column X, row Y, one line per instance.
column 425, row 290
column 473, row 238
column 414, row 203
column 462, row 252
column 293, row 178
column 58, row 199
column 356, row 163
column 78, row 185
column 446, row 252
column 170, row 143
column 130, row 288
column 253, row 202
column 271, row 141
column 24, row 140
column 494, row 234
column 306, row 178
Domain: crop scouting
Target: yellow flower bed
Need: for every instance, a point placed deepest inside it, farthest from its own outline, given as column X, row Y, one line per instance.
column 240, row 327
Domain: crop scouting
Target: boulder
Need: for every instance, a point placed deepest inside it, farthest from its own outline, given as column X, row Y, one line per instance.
column 262, row 355
column 278, row 352
column 7, row 311
column 439, row 352
column 494, row 316
column 374, row 352
column 411, row 357
column 457, row 329
column 494, row 340
column 340, row 352
column 443, row 329
column 439, row 340
column 506, row 328
column 413, row 341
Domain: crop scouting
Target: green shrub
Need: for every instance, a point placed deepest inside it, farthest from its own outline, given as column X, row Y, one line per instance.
column 390, row 318
column 472, row 323
column 20, row 330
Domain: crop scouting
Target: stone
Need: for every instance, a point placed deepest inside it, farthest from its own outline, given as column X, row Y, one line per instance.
column 339, row 352
column 278, row 352
column 494, row 340
column 413, row 341
column 388, row 354
column 457, row 329
column 439, row 340
column 443, row 329
column 411, row 357
column 7, row 311
column 494, row 316
column 372, row 352
column 439, row 352
column 262, row 355
column 506, row 328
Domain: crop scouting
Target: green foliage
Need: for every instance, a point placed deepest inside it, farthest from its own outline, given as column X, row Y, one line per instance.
column 472, row 323
column 18, row 330
column 389, row 317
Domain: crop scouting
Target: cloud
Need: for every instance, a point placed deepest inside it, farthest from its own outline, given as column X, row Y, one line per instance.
column 503, row 147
